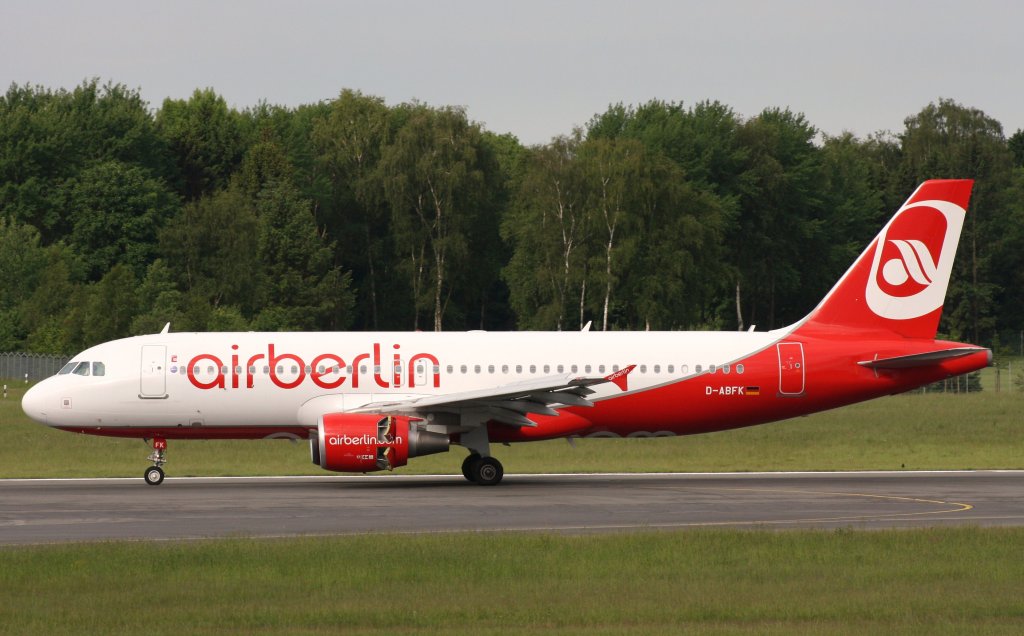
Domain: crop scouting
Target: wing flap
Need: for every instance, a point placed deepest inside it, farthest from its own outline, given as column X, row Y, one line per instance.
column 509, row 403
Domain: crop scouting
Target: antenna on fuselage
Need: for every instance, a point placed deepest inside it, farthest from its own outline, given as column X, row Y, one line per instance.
column 166, row 329
column 586, row 327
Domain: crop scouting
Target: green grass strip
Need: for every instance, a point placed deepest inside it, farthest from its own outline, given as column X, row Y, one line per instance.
column 930, row 581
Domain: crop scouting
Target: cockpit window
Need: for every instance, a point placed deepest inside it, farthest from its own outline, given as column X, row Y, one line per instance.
column 67, row 368
column 98, row 368
column 82, row 369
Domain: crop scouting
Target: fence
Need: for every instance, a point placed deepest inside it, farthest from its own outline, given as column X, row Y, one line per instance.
column 30, row 366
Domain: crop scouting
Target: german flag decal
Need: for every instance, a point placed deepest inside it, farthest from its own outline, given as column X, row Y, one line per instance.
column 752, row 390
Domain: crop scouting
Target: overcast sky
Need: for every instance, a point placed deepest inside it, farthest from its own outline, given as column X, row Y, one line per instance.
column 536, row 69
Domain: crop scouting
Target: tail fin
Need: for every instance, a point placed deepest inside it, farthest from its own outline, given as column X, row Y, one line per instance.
column 899, row 283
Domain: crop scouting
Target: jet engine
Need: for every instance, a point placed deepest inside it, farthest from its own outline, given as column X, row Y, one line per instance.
column 366, row 442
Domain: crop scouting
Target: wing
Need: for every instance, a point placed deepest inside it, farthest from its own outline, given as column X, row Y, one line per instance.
column 510, row 403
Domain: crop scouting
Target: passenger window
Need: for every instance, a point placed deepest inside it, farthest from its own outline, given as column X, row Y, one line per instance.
column 600, row 368
column 519, row 368
column 462, row 369
column 586, row 369
column 82, row 368
column 561, row 369
column 684, row 369
column 573, row 368
column 615, row 368
column 533, row 368
column 449, row 369
column 671, row 368
column 739, row 368
column 711, row 368
column 657, row 368
column 547, row 368
column 98, row 368
column 643, row 368
column 726, row 369
column 504, row 368
column 490, row 368
column 697, row 368
column 476, row 368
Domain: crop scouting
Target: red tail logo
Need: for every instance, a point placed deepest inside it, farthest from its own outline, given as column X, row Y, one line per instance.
column 913, row 260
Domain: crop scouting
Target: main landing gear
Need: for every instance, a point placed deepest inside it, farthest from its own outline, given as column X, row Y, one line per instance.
column 479, row 467
column 485, row 471
column 154, row 475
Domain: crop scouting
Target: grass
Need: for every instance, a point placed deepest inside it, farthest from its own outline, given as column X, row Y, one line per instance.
column 930, row 431
column 933, row 581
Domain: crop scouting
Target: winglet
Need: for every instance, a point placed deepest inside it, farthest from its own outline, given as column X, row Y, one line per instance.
column 619, row 377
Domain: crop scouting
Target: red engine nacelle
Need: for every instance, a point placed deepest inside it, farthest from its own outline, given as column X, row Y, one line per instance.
column 365, row 442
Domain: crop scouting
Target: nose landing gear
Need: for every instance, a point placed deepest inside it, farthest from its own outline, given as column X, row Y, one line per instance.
column 154, row 475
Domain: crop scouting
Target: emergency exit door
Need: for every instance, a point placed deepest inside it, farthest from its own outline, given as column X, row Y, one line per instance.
column 153, row 381
column 792, row 372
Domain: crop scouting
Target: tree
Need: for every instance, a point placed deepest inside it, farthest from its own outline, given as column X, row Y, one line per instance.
column 948, row 140
column 547, row 226
column 348, row 142
column 615, row 174
column 1016, row 143
column 48, row 137
column 205, row 138
column 303, row 288
column 117, row 211
column 44, row 315
column 22, row 261
column 436, row 172
column 110, row 308
column 214, row 244
column 778, row 238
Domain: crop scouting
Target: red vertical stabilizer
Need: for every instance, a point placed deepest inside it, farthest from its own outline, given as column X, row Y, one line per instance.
column 899, row 283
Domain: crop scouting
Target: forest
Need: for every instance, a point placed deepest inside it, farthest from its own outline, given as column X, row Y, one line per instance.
column 353, row 214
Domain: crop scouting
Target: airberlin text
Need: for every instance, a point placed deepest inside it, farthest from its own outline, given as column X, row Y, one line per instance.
column 361, row 440
column 325, row 370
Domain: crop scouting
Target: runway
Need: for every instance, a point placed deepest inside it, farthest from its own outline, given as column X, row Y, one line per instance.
column 45, row 511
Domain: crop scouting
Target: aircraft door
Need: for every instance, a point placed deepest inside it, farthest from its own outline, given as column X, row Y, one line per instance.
column 791, row 369
column 153, row 381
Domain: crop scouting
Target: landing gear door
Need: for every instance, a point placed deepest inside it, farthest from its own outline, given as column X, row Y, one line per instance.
column 153, row 379
column 791, row 369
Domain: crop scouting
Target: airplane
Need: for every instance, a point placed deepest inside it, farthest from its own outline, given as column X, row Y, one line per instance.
column 373, row 401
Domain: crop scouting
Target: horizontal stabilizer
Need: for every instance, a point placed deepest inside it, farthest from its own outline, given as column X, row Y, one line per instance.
column 919, row 359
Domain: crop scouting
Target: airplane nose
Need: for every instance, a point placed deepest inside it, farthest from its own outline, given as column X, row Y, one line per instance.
column 34, row 403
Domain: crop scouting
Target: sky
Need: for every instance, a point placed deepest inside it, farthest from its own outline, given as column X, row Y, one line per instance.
column 537, row 69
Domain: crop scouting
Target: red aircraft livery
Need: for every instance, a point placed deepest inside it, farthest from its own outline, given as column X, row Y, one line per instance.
column 373, row 401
